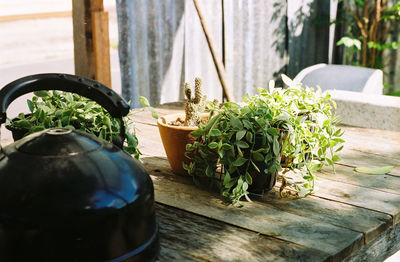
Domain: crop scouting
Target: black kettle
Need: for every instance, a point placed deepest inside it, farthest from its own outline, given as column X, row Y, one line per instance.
column 69, row 196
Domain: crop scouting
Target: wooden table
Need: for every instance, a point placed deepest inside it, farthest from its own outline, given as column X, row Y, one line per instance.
column 350, row 217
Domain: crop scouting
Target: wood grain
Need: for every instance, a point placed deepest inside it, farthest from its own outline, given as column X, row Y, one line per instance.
column 189, row 237
column 386, row 245
column 101, row 47
column 42, row 15
column 83, row 40
column 385, row 183
column 358, row 158
column 178, row 191
column 91, row 40
column 368, row 222
column 380, row 142
column 360, row 196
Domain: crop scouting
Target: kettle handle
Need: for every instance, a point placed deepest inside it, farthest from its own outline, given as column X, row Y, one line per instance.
column 106, row 97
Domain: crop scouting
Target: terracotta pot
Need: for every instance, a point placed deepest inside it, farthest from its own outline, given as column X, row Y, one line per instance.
column 174, row 139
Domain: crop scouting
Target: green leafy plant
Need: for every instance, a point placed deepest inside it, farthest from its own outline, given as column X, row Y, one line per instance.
column 313, row 139
column 368, row 24
column 280, row 129
column 242, row 142
column 62, row 109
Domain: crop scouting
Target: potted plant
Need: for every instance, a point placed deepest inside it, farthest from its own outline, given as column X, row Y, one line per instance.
column 63, row 109
column 237, row 150
column 175, row 129
column 242, row 147
column 313, row 140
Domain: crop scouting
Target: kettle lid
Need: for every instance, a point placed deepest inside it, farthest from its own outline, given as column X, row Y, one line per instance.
column 56, row 142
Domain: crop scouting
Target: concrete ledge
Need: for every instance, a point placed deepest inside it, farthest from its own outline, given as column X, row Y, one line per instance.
column 367, row 110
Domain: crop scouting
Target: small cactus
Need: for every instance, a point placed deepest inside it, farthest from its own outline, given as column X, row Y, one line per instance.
column 194, row 106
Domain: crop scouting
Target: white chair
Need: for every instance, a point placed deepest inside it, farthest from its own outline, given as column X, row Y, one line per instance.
column 358, row 94
column 342, row 77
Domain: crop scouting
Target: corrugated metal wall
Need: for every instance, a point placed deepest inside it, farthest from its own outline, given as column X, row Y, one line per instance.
column 308, row 33
column 162, row 44
column 255, row 43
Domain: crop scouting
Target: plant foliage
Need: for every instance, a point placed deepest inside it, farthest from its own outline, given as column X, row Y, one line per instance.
column 368, row 24
column 63, row 109
column 243, row 140
column 280, row 129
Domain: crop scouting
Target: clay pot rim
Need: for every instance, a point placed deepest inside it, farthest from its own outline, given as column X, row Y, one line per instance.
column 162, row 121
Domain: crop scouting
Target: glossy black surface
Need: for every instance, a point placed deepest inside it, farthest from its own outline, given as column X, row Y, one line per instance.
column 87, row 199
column 68, row 196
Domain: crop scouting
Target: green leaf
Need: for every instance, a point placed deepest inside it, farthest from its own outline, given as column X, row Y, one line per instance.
column 144, row 101
column 22, row 124
column 339, row 140
column 272, row 131
column 30, row 105
column 245, row 186
column 236, row 123
column 258, row 157
column 336, row 158
column 213, row 145
column 330, row 162
column 69, row 97
column 247, row 124
column 242, row 144
column 340, row 148
column 37, row 129
column 227, row 178
column 197, row 133
column 276, row 146
column 209, row 171
column 248, row 178
column 107, row 122
column 42, row 93
column 154, row 114
column 249, row 137
column 226, row 146
column 289, row 82
column 240, row 134
column 350, row 42
column 215, row 132
column 239, row 161
column 375, row 171
column 255, row 167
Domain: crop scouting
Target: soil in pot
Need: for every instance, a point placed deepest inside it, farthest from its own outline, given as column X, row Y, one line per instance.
column 175, row 138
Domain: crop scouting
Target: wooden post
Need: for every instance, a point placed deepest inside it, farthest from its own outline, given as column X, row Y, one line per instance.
column 91, row 40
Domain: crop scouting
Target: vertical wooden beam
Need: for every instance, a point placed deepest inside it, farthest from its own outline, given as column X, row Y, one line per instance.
column 101, row 47
column 91, row 40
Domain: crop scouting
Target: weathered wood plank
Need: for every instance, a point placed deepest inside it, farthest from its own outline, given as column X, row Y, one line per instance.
column 83, row 36
column 259, row 217
column 101, row 47
column 357, row 158
column 386, row 183
column 386, row 245
column 188, row 237
column 369, row 222
column 149, row 140
column 381, row 142
column 146, row 118
column 360, row 196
